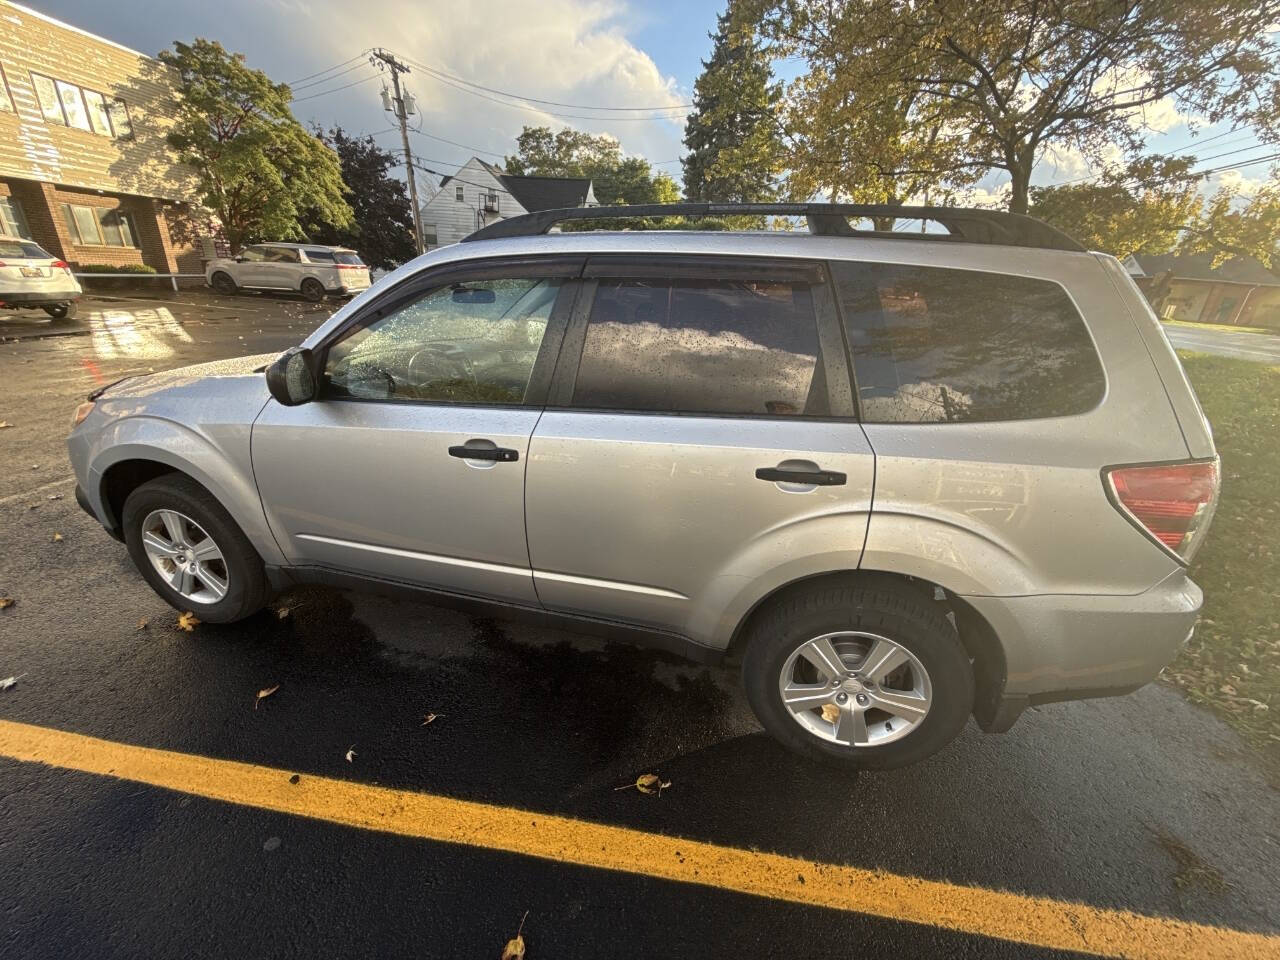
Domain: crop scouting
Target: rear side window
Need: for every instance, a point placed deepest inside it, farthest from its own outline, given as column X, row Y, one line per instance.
column 932, row 344
column 702, row 346
column 320, row 256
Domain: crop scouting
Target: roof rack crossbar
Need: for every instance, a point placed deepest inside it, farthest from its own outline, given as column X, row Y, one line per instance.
column 825, row 219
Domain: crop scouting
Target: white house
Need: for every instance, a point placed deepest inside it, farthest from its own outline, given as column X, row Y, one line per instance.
column 481, row 193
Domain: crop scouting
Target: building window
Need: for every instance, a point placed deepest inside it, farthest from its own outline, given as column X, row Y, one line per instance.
column 6, row 98
column 72, row 106
column 99, row 226
column 457, row 193
column 429, row 235
column 491, row 202
column 12, row 221
column 47, row 95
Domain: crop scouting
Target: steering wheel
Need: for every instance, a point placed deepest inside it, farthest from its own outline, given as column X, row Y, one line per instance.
column 442, row 366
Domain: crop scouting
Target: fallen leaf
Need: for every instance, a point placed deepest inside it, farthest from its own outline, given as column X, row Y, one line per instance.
column 55, row 496
column 514, row 950
column 830, row 712
column 647, row 783
column 57, row 537
column 33, row 506
column 294, row 779
column 142, row 625
column 4, row 424
column 264, row 693
column 351, row 753
column 188, row 621
column 282, row 612
column 7, row 602
column 8, row 682
column 431, row 718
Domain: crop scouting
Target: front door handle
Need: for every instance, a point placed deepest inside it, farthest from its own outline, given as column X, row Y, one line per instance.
column 819, row 478
column 500, row 454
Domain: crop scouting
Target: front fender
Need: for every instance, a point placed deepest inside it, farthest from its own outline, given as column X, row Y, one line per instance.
column 217, row 459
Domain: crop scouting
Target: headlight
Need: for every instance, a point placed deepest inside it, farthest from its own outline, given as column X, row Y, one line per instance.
column 82, row 411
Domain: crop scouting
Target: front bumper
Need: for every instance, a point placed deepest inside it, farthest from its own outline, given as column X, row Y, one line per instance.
column 1071, row 647
column 37, row 298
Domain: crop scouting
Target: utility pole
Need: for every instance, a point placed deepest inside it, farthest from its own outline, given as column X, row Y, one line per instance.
column 397, row 104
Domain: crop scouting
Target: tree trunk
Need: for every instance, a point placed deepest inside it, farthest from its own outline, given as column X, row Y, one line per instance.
column 1020, row 189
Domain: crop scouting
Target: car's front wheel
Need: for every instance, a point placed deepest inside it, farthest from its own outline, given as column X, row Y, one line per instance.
column 869, row 674
column 186, row 545
column 223, row 283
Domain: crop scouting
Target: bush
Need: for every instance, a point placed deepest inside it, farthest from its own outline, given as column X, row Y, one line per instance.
column 138, row 272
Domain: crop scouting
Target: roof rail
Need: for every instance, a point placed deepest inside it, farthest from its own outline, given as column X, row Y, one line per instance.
column 825, row 219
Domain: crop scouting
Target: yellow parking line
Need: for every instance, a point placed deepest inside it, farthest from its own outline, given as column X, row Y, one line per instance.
column 1037, row 921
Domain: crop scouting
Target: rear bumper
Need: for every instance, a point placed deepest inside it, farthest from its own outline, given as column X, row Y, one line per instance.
column 37, row 298
column 1068, row 647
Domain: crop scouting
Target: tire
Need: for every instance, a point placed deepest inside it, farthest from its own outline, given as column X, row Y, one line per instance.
column 885, row 609
column 241, row 569
column 313, row 289
column 224, row 284
column 60, row 311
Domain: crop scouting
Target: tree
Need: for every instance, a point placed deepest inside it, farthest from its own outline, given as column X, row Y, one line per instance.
column 382, row 228
column 1227, row 228
column 572, row 153
column 733, row 133
column 1142, row 209
column 1010, row 78
column 259, row 169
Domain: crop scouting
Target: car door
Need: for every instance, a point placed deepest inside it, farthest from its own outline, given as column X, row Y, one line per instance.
column 250, row 267
column 281, row 270
column 410, row 465
column 699, row 436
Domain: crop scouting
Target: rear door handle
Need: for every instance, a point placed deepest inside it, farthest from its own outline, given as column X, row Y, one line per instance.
column 500, row 454
column 819, row 478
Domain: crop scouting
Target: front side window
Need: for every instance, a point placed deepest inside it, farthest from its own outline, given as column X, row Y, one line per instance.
column 934, row 344
column 467, row 342
column 702, row 346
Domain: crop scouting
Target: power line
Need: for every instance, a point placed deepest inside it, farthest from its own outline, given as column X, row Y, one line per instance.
column 316, row 83
column 325, row 93
column 552, row 103
column 358, row 56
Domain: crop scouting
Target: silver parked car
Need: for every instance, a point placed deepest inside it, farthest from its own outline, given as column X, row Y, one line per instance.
column 310, row 269
column 907, row 478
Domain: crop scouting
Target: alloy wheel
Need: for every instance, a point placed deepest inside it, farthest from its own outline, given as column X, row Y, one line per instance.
column 855, row 689
column 185, row 556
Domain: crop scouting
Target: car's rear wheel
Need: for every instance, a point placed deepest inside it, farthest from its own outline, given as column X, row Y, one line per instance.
column 869, row 674
column 223, row 284
column 186, row 545
column 60, row 311
column 313, row 289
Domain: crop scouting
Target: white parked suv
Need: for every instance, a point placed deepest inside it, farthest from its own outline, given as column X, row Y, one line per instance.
column 32, row 277
column 310, row 269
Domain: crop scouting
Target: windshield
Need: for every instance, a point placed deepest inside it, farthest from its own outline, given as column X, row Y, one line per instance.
column 22, row 249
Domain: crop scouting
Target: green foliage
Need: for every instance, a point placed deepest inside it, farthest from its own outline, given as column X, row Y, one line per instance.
column 733, row 134
column 1139, row 210
column 615, row 179
column 260, row 170
column 998, row 83
column 1228, row 228
column 139, row 268
column 382, row 226
column 1232, row 663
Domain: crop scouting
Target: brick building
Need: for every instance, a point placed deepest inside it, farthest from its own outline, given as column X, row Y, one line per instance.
column 84, row 167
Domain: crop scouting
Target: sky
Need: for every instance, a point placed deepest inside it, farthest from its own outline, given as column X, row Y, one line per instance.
column 589, row 54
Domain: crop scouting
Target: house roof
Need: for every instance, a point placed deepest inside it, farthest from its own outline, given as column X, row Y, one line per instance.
column 538, row 193
column 1199, row 266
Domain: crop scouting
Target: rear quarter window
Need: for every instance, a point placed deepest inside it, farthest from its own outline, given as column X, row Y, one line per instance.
column 937, row 345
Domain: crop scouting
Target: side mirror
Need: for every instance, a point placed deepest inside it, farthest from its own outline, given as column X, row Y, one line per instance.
column 289, row 377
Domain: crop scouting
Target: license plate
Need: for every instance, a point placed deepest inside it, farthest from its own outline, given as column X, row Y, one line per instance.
column 32, row 272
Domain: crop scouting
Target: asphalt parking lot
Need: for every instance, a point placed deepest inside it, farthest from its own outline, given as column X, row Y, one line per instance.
column 153, row 806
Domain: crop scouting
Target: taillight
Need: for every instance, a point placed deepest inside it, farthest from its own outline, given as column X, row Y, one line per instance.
column 61, row 265
column 1172, row 503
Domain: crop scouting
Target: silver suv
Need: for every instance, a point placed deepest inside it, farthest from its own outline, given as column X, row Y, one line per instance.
column 907, row 478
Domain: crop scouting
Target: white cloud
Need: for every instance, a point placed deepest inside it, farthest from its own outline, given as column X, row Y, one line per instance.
column 573, row 51
column 1246, row 185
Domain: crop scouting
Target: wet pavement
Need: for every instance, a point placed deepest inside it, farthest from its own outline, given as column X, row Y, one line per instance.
column 1143, row 802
